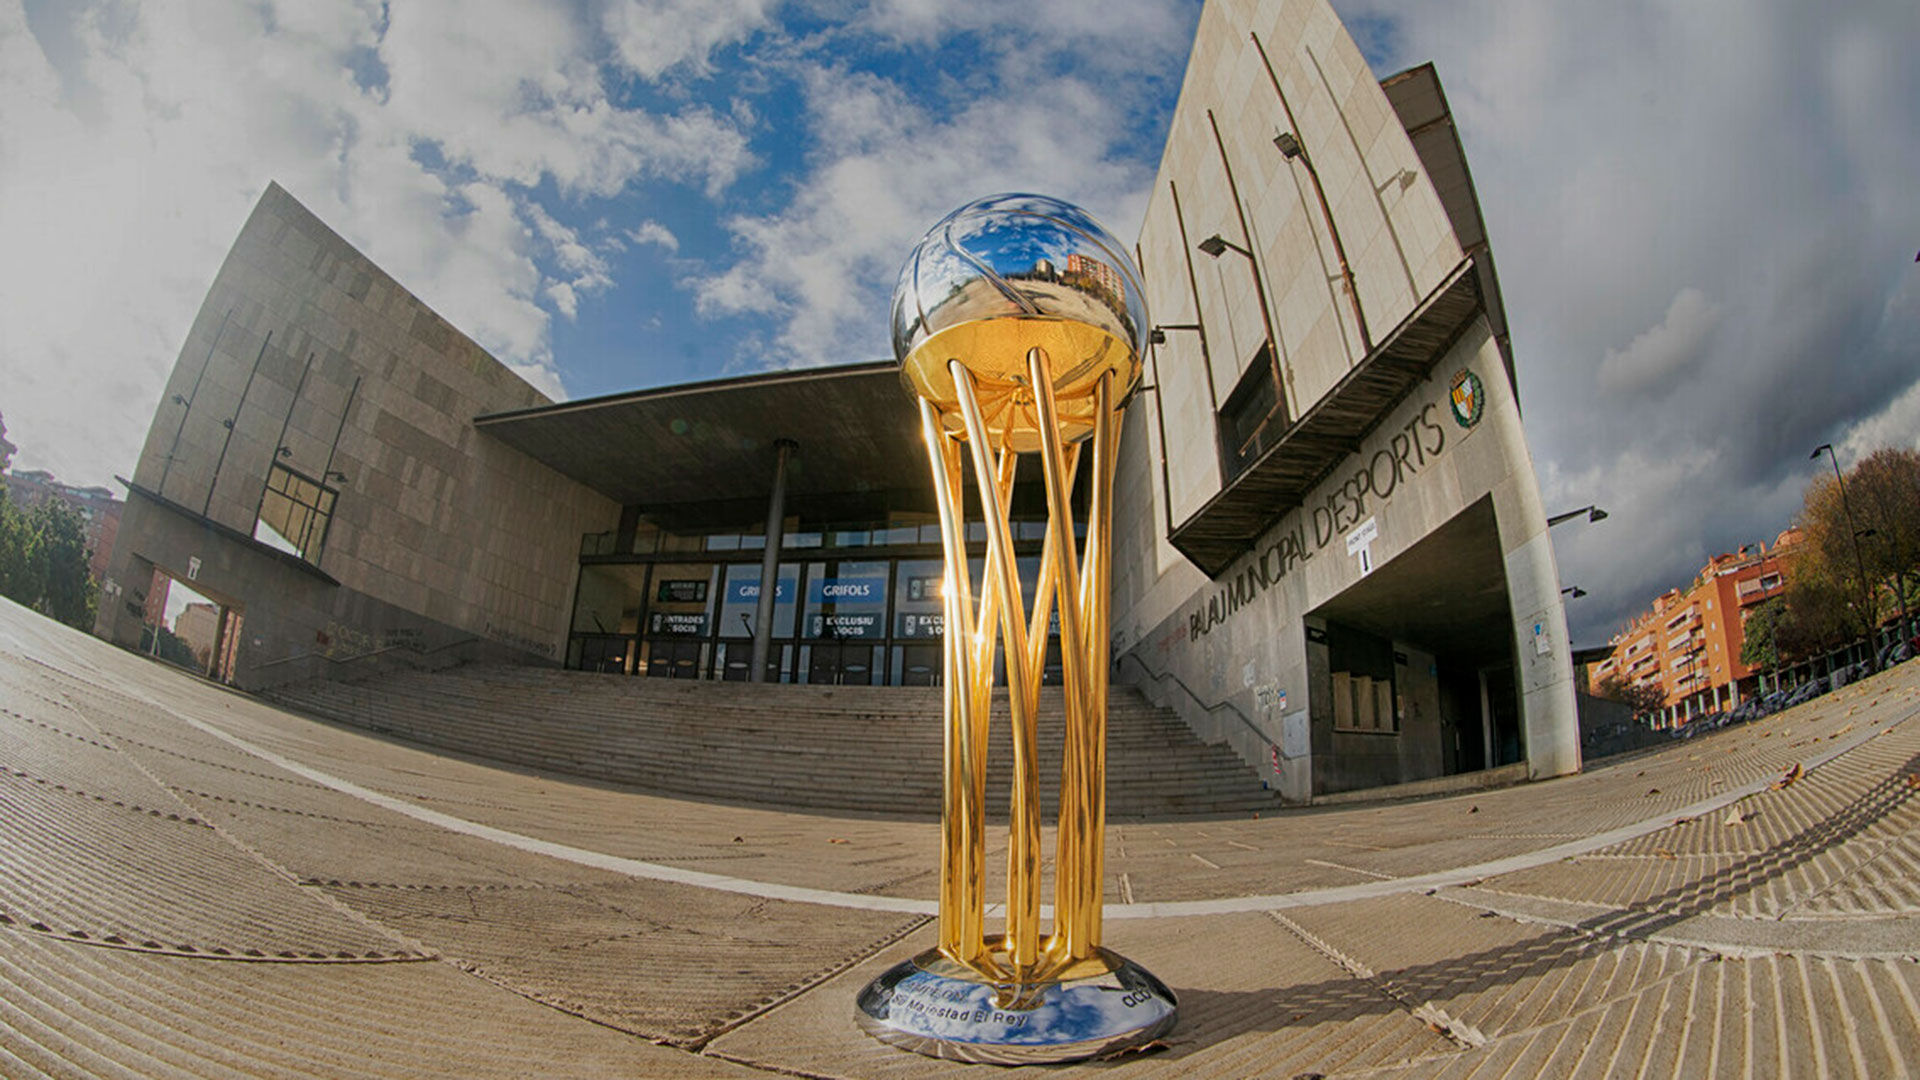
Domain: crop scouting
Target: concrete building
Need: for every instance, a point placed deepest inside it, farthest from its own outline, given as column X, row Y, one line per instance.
column 1330, row 554
column 1337, row 558
column 198, row 625
column 1689, row 642
column 313, row 465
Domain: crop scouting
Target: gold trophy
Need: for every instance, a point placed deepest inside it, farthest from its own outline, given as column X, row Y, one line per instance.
column 1018, row 323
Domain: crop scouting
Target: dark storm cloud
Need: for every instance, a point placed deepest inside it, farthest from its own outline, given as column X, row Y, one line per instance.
column 1704, row 219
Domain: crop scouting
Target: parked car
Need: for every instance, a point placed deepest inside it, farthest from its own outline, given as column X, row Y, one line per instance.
column 1807, row 691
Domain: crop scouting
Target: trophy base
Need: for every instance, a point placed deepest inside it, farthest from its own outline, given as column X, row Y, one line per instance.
column 932, row 1006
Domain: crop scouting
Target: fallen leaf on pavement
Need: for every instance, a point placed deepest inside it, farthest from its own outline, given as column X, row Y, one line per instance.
column 1788, row 777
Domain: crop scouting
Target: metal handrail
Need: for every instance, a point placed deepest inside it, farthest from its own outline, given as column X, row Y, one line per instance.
column 1209, row 709
column 382, row 650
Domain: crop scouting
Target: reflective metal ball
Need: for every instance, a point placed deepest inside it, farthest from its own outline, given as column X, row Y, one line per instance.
column 1002, row 275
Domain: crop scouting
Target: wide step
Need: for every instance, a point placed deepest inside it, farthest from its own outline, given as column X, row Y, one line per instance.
column 832, row 749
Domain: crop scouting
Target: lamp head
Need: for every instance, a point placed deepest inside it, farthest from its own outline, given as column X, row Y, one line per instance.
column 1288, row 145
column 1214, row 246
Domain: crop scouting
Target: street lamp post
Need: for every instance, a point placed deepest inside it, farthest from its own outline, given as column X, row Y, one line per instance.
column 1215, row 246
column 1853, row 533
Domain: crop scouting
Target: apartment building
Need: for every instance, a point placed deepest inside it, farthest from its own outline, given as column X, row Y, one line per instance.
column 1689, row 642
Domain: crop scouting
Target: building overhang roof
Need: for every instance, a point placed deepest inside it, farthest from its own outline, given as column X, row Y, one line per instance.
column 228, row 532
column 1280, row 478
column 1421, row 103
column 856, row 428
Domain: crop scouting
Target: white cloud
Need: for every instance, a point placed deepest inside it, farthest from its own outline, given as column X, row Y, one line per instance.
column 1665, row 351
column 653, row 37
column 511, row 88
column 1745, row 168
column 652, row 232
column 823, row 264
column 589, row 270
column 422, row 132
column 1896, row 425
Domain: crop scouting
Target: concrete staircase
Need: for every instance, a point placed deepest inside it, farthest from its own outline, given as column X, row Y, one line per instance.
column 835, row 749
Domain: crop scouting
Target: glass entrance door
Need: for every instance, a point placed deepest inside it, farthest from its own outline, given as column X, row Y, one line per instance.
column 669, row 659
column 918, row 665
column 844, row 665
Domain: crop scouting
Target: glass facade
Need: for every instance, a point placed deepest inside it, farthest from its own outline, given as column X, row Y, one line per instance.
column 856, row 603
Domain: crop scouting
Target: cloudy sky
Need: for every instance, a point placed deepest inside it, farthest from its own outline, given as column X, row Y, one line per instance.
column 1706, row 212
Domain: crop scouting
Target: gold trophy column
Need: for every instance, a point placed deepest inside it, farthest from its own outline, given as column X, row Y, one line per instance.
column 1018, row 324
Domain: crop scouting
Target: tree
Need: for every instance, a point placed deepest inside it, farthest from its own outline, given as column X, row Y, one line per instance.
column 165, row 644
column 1759, row 643
column 1885, row 490
column 22, row 570
column 1857, row 562
column 43, row 561
column 1821, row 608
column 1832, row 554
column 1642, row 698
column 67, row 592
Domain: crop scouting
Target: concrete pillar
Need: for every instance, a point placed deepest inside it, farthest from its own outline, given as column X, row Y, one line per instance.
column 770, row 562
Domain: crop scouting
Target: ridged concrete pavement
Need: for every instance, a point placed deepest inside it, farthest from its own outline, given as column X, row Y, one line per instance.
column 194, row 883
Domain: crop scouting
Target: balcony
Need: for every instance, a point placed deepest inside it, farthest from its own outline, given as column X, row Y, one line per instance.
column 1279, row 478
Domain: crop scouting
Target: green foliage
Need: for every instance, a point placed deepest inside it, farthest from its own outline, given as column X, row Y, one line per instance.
column 170, row 648
column 67, row 592
column 1642, row 698
column 1860, row 555
column 43, row 561
column 1760, row 647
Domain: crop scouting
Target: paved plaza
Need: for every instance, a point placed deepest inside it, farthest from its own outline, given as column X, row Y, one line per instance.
column 196, row 884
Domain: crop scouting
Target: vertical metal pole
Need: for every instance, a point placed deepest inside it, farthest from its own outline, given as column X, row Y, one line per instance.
column 232, row 422
column 1206, row 356
column 1866, row 585
column 188, row 407
column 770, row 562
column 1326, row 212
column 287, row 423
column 327, row 469
column 1160, row 410
column 1281, row 390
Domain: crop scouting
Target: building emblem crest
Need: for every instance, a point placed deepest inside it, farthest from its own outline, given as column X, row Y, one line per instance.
column 1469, row 398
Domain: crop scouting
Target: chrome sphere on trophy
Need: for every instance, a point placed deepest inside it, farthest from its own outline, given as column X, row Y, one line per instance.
column 1008, row 273
column 1018, row 323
